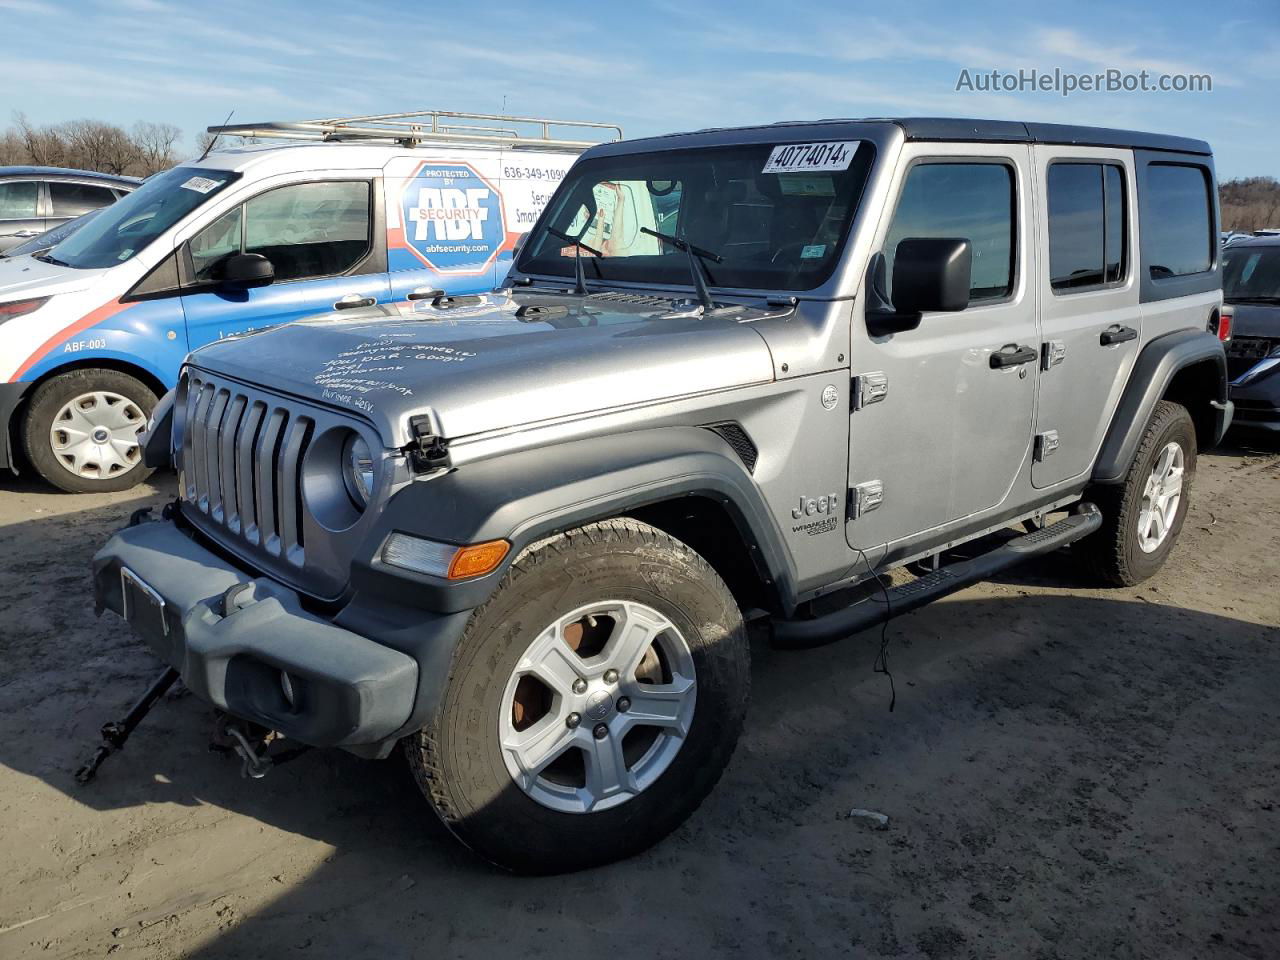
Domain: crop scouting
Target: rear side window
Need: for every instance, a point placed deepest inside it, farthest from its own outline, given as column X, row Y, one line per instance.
column 18, row 199
column 73, row 199
column 1088, row 236
column 973, row 201
column 1179, row 235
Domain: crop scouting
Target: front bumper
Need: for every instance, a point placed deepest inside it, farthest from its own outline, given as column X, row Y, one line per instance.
column 342, row 689
column 1256, row 394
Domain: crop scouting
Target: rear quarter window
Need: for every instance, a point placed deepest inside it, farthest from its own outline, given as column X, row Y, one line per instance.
column 1178, row 234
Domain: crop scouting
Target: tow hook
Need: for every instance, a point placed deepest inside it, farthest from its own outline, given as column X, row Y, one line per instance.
column 253, row 765
column 252, row 744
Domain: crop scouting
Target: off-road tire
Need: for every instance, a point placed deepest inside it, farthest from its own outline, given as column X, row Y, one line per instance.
column 456, row 758
column 50, row 397
column 1113, row 553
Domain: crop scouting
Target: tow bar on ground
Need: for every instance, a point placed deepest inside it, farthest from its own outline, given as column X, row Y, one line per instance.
column 116, row 732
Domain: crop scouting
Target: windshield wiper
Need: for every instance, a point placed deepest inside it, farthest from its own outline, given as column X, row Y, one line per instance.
column 54, row 260
column 578, row 247
column 696, row 256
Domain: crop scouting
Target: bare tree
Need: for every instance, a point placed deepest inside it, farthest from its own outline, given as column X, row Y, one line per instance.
column 43, row 145
column 154, row 144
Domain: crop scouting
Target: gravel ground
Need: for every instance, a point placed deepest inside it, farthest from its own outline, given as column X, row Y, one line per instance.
column 1070, row 772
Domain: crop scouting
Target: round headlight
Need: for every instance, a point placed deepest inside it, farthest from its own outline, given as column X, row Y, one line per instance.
column 358, row 469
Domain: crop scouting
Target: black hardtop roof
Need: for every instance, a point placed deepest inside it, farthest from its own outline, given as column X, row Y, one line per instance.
column 950, row 129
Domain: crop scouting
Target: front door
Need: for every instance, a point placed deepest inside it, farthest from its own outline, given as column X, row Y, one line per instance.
column 952, row 434
column 319, row 238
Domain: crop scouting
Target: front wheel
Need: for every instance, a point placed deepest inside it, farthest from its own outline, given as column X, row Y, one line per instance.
column 81, row 430
column 1143, row 515
column 594, row 701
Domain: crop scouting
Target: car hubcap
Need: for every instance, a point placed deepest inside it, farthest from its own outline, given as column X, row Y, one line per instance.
column 95, row 435
column 597, row 707
column 1160, row 498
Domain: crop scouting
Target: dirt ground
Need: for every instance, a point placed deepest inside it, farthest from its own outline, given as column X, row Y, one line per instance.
column 1070, row 772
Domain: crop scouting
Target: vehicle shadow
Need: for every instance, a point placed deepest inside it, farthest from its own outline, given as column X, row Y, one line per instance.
column 1026, row 765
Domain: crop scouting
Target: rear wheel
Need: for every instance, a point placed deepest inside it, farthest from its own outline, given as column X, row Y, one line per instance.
column 1143, row 515
column 593, row 703
column 81, row 430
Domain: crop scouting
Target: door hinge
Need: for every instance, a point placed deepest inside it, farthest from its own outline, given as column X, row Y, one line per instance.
column 1052, row 353
column 864, row 498
column 868, row 388
column 427, row 450
column 1046, row 444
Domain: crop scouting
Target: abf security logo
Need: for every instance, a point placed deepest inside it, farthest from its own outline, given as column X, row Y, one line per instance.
column 452, row 218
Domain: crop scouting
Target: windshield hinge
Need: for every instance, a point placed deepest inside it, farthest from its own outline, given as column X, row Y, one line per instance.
column 427, row 451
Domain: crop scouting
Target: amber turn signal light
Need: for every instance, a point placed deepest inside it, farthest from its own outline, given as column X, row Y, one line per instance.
column 477, row 559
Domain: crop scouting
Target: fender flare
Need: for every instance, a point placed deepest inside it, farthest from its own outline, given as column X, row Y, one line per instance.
column 1154, row 370
column 525, row 496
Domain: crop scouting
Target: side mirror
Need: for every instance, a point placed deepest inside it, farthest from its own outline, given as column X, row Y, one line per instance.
column 930, row 274
column 245, row 270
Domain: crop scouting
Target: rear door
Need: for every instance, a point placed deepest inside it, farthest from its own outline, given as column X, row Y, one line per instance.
column 1091, row 322
column 952, row 433
column 69, row 199
column 320, row 237
column 21, row 211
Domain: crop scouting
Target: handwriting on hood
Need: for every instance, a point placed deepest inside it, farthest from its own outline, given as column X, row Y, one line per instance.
column 370, row 368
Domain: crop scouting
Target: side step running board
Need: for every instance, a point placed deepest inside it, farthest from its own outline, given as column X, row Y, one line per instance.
column 801, row 634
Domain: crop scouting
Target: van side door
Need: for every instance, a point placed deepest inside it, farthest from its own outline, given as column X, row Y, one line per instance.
column 320, row 238
column 945, row 428
column 1091, row 322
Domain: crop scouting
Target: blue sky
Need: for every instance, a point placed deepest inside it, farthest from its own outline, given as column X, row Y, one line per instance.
column 651, row 66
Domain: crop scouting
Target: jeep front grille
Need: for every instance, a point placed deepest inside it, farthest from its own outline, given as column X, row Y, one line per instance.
column 241, row 457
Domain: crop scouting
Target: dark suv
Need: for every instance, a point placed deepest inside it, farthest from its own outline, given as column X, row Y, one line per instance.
column 34, row 199
column 1251, row 288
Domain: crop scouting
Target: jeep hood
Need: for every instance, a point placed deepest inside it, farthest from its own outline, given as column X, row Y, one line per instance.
column 23, row 277
column 484, row 366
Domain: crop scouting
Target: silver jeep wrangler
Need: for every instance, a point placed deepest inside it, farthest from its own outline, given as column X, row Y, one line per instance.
column 734, row 374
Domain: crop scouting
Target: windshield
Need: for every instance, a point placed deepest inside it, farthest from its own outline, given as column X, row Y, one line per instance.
column 1251, row 272
column 131, row 223
column 775, row 216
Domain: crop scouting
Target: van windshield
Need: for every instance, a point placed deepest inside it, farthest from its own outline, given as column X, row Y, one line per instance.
column 775, row 215
column 130, row 224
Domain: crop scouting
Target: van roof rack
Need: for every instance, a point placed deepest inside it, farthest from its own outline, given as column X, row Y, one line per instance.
column 430, row 126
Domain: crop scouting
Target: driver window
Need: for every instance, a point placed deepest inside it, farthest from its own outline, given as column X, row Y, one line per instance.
column 212, row 245
column 969, row 200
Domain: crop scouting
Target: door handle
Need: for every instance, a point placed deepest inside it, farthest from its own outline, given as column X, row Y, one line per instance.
column 1012, row 355
column 353, row 300
column 1117, row 334
column 425, row 293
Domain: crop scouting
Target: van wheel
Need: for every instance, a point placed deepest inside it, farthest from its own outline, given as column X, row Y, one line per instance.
column 81, row 430
column 593, row 702
column 1143, row 515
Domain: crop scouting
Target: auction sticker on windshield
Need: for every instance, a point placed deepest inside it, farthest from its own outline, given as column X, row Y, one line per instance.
column 800, row 157
column 201, row 184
